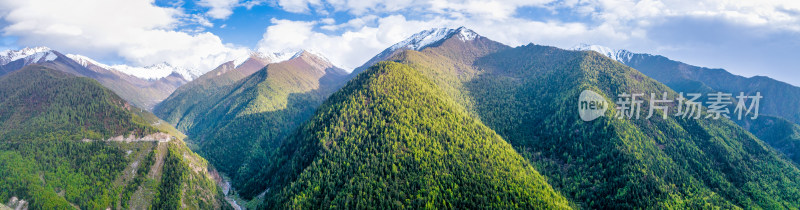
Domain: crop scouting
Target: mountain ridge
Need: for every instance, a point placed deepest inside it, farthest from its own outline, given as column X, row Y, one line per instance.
column 236, row 116
column 373, row 119
column 524, row 93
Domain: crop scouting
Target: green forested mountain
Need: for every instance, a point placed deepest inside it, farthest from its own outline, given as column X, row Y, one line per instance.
column 528, row 95
column 391, row 139
column 67, row 142
column 192, row 99
column 40, row 102
column 777, row 132
column 238, row 123
column 779, row 99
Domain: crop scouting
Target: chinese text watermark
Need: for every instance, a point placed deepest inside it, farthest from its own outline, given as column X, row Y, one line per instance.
column 592, row 105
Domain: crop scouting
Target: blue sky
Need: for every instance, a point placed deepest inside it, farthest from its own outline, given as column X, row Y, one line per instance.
column 745, row 37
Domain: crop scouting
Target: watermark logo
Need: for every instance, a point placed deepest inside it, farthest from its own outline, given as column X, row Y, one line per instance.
column 591, row 105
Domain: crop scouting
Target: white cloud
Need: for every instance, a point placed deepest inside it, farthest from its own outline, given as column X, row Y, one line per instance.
column 349, row 49
column 494, row 9
column 219, row 9
column 298, row 6
column 616, row 21
column 777, row 14
column 222, row 9
column 135, row 31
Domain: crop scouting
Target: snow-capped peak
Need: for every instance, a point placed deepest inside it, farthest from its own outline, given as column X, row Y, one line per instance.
column 285, row 55
column 31, row 55
column 466, row 34
column 254, row 54
column 280, row 56
column 273, row 57
column 310, row 52
column 157, row 71
column 618, row 55
column 424, row 38
column 85, row 61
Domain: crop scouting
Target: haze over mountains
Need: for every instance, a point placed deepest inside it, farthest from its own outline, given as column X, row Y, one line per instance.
column 444, row 119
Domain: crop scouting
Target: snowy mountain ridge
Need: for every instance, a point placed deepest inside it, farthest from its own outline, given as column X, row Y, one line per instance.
column 622, row 56
column 31, row 55
column 424, row 38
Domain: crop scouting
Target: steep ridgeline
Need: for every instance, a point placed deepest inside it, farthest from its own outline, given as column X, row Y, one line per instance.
column 391, row 139
column 529, row 96
column 242, row 122
column 68, row 142
column 429, row 38
column 140, row 92
column 780, row 99
column 198, row 96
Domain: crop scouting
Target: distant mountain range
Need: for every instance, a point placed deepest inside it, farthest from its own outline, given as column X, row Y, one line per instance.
column 142, row 86
column 144, row 93
column 444, row 119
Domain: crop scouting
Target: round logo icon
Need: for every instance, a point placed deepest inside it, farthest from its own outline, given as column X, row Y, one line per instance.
column 591, row 105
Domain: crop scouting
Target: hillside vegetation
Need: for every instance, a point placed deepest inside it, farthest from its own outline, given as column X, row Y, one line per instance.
column 53, row 148
column 391, row 139
column 529, row 96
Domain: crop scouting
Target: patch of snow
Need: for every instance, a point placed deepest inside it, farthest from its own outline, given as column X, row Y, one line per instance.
column 239, row 61
column 319, row 55
column 157, row 71
column 312, row 52
column 285, row 55
column 50, row 57
column 85, row 61
column 622, row 56
column 297, row 54
column 424, row 38
column 279, row 56
column 466, row 34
